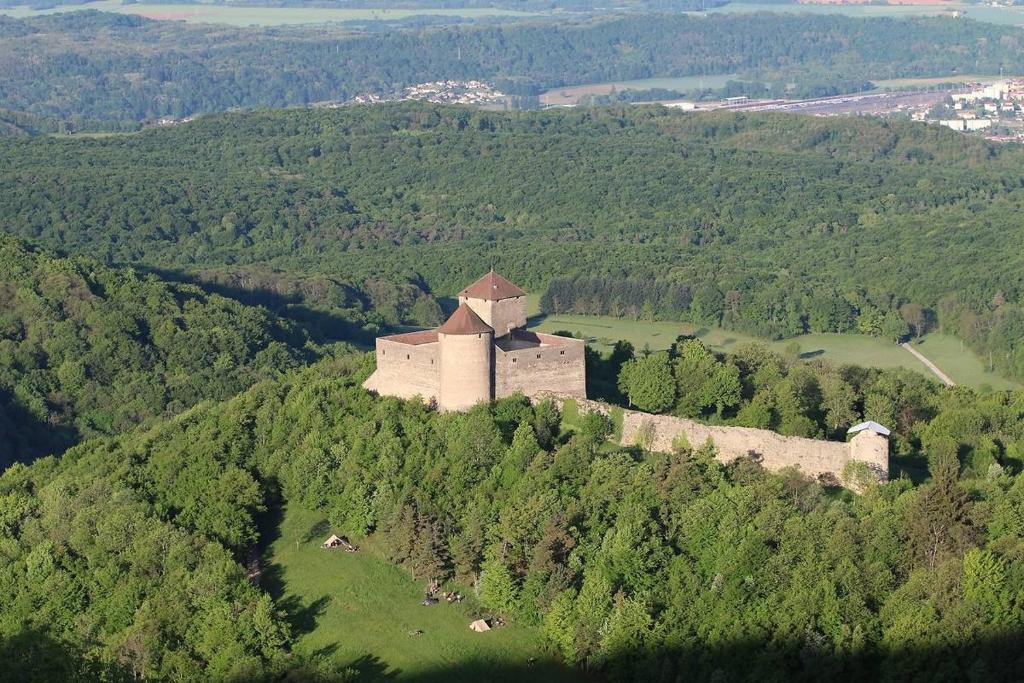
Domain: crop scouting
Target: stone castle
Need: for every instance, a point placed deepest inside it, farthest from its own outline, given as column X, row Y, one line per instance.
column 482, row 352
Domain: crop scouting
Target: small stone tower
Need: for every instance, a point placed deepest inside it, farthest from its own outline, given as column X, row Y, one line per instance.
column 467, row 360
column 870, row 445
column 498, row 302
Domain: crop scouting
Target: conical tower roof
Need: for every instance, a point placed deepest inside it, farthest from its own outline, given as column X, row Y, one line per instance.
column 492, row 287
column 464, row 321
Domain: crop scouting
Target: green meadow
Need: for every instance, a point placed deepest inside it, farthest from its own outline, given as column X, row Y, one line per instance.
column 960, row 363
column 361, row 612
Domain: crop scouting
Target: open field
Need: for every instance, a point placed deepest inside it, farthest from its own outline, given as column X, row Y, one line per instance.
column 571, row 94
column 961, row 364
column 358, row 610
column 262, row 16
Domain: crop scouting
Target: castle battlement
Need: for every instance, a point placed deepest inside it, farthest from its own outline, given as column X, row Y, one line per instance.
column 482, row 352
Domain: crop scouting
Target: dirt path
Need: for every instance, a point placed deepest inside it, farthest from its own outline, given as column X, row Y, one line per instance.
column 931, row 366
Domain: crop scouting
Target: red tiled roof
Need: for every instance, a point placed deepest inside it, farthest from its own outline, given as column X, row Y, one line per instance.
column 464, row 321
column 492, row 286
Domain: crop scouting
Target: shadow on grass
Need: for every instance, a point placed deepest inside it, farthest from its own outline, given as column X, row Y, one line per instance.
column 302, row 617
column 797, row 658
column 808, row 355
column 33, row 655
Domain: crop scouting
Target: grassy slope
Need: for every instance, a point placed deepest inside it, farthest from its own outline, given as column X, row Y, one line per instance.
column 945, row 351
column 359, row 609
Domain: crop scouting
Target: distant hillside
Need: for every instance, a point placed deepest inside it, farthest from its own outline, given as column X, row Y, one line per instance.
column 88, row 350
column 767, row 224
column 118, row 68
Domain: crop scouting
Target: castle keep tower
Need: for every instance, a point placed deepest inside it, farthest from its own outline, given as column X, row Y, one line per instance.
column 467, row 360
column 482, row 352
column 498, row 302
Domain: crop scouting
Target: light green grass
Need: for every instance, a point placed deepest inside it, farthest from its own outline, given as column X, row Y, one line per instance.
column 359, row 610
column 261, row 16
column 961, row 365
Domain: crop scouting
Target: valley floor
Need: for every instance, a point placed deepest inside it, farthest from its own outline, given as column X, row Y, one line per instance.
column 360, row 611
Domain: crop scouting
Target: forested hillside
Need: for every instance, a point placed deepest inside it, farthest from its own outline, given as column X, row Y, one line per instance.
column 769, row 224
column 638, row 566
column 89, row 66
column 88, row 350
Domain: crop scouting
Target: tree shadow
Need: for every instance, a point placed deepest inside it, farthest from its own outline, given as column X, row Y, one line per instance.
column 318, row 530
column 34, row 656
column 797, row 658
column 807, row 355
column 322, row 325
column 302, row 617
column 25, row 438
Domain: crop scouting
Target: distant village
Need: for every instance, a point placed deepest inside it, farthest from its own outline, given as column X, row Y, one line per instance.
column 477, row 93
column 996, row 108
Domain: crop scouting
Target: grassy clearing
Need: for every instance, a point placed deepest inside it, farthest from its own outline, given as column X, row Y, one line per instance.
column 963, row 367
column 946, row 352
column 261, row 16
column 359, row 610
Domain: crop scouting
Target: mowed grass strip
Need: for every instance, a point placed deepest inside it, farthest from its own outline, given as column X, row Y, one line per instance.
column 362, row 611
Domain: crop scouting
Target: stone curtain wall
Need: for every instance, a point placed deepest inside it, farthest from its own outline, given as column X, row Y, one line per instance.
column 405, row 370
column 560, row 369
column 826, row 460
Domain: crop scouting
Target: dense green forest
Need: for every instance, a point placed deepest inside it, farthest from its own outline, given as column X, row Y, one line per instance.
column 87, row 350
column 105, row 67
column 122, row 557
column 768, row 224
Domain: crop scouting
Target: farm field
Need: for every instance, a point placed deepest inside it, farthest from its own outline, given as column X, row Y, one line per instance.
column 960, row 364
column 572, row 94
column 359, row 610
column 261, row 16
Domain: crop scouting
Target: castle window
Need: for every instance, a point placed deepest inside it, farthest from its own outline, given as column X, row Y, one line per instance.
column 407, row 356
column 383, row 352
column 538, row 355
column 513, row 360
column 561, row 353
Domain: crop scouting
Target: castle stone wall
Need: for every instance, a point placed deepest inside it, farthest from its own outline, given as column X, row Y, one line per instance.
column 548, row 368
column 815, row 458
column 406, row 370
